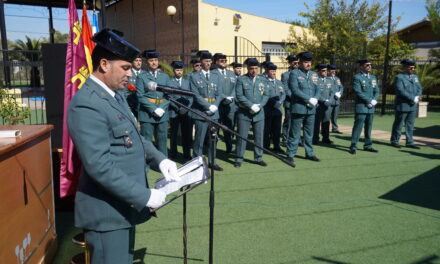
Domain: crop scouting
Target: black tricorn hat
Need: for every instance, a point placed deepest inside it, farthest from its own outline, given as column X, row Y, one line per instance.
column 236, row 65
column 177, row 65
column 251, row 62
column 150, row 54
column 112, row 41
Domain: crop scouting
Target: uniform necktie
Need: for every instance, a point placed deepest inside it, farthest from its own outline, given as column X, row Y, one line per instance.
column 119, row 99
column 207, row 77
column 224, row 72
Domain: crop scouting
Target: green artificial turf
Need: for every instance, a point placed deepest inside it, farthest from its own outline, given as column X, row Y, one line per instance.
column 424, row 126
column 368, row 208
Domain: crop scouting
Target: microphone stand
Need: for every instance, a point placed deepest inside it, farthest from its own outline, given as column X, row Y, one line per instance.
column 212, row 140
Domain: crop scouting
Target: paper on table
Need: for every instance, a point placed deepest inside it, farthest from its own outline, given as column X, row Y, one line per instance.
column 190, row 173
column 9, row 133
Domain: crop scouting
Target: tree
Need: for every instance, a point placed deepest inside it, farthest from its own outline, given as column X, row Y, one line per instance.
column 433, row 8
column 58, row 38
column 30, row 52
column 340, row 27
column 429, row 77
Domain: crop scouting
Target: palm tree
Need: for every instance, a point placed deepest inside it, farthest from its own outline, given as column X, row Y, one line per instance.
column 429, row 77
column 30, row 52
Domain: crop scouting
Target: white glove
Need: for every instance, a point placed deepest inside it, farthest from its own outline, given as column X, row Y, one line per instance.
column 373, row 102
column 369, row 105
column 313, row 101
column 416, row 99
column 213, row 108
column 338, row 94
column 157, row 198
column 159, row 112
column 327, row 102
column 169, row 170
column 230, row 98
column 255, row 108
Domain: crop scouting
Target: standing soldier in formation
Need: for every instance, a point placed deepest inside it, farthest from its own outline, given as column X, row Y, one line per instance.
column 227, row 107
column 252, row 95
column 153, row 107
column 303, row 85
column 272, row 110
column 179, row 116
column 367, row 92
column 323, row 111
column 408, row 92
column 293, row 64
column 208, row 90
column 237, row 67
column 338, row 90
column 196, row 67
column 130, row 91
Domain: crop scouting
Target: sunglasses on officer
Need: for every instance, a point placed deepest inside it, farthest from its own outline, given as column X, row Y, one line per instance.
column 197, row 65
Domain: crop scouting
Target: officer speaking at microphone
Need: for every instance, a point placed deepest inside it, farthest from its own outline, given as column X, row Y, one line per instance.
column 113, row 194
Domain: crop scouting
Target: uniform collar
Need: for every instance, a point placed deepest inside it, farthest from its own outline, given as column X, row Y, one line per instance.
column 102, row 84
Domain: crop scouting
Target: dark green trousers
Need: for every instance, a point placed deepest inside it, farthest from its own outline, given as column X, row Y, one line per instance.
column 185, row 124
column 160, row 132
column 202, row 136
column 111, row 247
column 322, row 122
column 359, row 121
column 308, row 122
column 286, row 125
column 227, row 119
column 399, row 119
column 334, row 117
column 243, row 130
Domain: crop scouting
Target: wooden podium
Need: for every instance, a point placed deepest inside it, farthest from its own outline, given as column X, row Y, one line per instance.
column 27, row 217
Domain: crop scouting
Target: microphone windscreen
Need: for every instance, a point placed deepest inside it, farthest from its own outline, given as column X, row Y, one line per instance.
column 152, row 86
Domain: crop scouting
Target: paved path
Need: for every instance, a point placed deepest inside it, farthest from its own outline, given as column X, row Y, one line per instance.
column 385, row 135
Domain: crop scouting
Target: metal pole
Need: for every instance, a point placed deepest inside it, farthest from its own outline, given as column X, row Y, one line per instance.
column 182, row 30
column 6, row 69
column 236, row 49
column 385, row 69
column 51, row 29
column 103, row 15
column 212, row 141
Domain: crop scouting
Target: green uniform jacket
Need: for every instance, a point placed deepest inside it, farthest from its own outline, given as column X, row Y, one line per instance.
column 406, row 89
column 249, row 93
column 186, row 100
column 285, row 81
column 229, row 87
column 325, row 90
column 146, row 108
column 113, row 190
column 336, row 87
column 366, row 89
column 204, row 89
column 303, row 86
column 277, row 92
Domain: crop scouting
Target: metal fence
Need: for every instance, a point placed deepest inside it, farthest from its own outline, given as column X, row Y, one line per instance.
column 23, row 71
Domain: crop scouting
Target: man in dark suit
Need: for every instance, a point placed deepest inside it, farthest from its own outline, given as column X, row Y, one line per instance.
column 252, row 95
column 153, row 107
column 408, row 92
column 303, row 85
column 208, row 90
column 367, row 91
column 179, row 116
column 113, row 194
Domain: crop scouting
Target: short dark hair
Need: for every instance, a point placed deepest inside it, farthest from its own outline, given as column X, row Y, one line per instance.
column 101, row 53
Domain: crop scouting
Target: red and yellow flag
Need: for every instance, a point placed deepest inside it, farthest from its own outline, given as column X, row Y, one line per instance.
column 89, row 45
column 77, row 71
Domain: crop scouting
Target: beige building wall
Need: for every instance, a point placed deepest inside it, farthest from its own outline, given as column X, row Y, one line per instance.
column 217, row 30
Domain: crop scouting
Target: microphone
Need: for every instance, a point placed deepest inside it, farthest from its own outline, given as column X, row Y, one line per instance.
column 152, row 86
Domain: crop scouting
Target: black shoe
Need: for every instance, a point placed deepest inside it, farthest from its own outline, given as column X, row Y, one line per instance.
column 283, row 144
column 261, row 163
column 216, row 167
column 172, row 156
column 313, row 158
column 290, row 160
column 396, row 145
column 352, row 151
column 327, row 141
column 230, row 150
column 371, row 150
column 279, row 150
column 337, row 132
column 187, row 157
column 315, row 142
column 237, row 164
column 413, row 146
